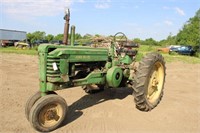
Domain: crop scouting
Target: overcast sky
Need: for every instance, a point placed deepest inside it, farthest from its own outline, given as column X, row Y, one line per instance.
column 136, row 18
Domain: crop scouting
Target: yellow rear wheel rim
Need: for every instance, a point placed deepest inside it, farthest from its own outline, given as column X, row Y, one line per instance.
column 155, row 85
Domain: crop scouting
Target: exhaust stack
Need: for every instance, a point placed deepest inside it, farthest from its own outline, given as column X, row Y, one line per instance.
column 66, row 28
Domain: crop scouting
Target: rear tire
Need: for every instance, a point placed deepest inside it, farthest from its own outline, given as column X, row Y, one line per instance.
column 149, row 82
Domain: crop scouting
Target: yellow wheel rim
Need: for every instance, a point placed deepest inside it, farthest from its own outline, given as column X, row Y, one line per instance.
column 50, row 115
column 155, row 85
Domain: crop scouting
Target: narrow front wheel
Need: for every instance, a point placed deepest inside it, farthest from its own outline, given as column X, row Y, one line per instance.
column 31, row 101
column 48, row 113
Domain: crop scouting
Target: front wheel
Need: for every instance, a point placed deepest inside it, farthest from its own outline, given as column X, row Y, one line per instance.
column 31, row 101
column 48, row 113
column 149, row 82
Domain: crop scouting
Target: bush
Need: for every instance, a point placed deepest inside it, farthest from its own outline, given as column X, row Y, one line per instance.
column 173, row 53
column 197, row 54
column 139, row 56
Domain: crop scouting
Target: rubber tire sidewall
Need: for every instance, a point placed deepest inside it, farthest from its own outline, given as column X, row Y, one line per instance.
column 142, row 77
column 43, row 101
column 31, row 101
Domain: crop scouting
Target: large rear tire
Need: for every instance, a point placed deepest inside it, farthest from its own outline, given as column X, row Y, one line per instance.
column 149, row 82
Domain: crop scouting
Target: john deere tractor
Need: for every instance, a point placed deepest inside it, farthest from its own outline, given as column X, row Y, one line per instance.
column 66, row 66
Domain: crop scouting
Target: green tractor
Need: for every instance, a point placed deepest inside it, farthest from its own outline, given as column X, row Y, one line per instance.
column 62, row 67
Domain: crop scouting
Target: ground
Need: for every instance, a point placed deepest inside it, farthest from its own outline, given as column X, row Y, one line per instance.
column 111, row 111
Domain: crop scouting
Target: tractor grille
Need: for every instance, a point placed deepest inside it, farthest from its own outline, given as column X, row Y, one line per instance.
column 51, row 73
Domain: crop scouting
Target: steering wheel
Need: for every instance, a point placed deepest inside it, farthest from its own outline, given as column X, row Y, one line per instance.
column 119, row 44
column 120, row 39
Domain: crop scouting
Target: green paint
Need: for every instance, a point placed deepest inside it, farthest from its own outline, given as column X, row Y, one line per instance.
column 114, row 76
column 126, row 60
column 59, row 65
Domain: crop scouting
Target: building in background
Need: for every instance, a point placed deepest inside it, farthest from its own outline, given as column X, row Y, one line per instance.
column 9, row 37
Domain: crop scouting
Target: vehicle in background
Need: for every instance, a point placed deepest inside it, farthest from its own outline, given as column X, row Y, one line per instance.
column 186, row 50
column 174, row 49
column 22, row 45
column 38, row 42
column 58, row 42
column 183, row 50
column 5, row 43
column 168, row 49
column 163, row 50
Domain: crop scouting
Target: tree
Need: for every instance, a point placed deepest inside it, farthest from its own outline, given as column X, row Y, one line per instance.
column 37, row 35
column 97, row 35
column 78, row 36
column 190, row 33
column 87, row 36
column 49, row 37
column 137, row 41
column 58, row 37
column 30, row 37
column 171, row 40
column 150, row 42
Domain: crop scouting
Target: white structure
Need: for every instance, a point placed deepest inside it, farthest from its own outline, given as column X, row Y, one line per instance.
column 12, row 35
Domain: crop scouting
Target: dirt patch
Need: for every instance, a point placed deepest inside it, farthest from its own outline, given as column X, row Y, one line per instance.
column 110, row 111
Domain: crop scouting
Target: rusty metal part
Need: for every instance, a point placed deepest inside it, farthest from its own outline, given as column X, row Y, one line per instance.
column 66, row 28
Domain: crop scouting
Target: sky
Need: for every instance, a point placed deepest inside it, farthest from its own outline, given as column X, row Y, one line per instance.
column 142, row 19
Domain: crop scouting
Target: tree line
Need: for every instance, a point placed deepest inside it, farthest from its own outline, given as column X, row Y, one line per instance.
column 188, row 35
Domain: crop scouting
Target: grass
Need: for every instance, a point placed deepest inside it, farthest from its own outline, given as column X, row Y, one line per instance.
column 181, row 58
column 142, row 50
column 168, row 58
column 32, row 51
column 146, row 49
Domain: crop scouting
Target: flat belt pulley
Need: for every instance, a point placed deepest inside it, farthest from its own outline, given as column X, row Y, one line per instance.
column 114, row 76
